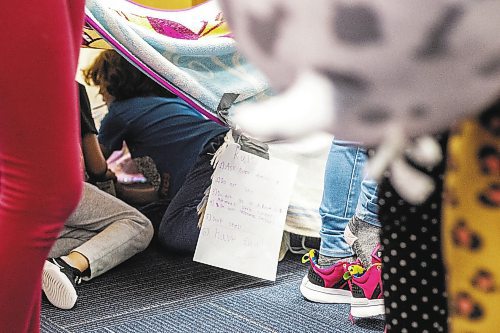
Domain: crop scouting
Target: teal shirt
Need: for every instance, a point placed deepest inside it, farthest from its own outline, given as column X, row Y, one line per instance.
column 166, row 129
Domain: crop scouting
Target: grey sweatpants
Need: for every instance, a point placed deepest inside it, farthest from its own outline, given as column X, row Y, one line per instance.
column 105, row 230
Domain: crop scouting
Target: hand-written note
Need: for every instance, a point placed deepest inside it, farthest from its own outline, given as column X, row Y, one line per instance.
column 245, row 214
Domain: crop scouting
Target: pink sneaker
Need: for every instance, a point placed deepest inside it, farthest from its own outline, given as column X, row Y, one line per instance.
column 367, row 292
column 329, row 284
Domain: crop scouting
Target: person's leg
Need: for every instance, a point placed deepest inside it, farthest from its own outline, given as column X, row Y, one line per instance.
column 471, row 225
column 413, row 269
column 363, row 230
column 39, row 124
column 179, row 230
column 105, row 230
column 100, row 234
column 325, row 281
column 342, row 184
column 367, row 208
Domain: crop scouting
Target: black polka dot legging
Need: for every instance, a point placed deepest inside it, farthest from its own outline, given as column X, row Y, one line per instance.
column 413, row 271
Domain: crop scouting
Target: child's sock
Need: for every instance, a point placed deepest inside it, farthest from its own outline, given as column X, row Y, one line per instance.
column 78, row 262
column 69, row 261
column 324, row 261
column 362, row 237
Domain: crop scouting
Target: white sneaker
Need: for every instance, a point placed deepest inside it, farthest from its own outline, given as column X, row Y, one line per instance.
column 58, row 283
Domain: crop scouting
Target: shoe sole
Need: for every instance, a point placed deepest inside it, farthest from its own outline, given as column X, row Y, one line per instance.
column 319, row 294
column 363, row 307
column 57, row 287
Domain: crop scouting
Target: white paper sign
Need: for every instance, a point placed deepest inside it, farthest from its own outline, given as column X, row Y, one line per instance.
column 245, row 214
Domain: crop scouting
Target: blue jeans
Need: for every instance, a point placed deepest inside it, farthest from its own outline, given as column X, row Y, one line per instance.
column 178, row 230
column 346, row 193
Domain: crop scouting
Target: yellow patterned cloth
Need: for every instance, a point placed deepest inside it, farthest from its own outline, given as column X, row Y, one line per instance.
column 90, row 38
column 189, row 30
column 471, row 226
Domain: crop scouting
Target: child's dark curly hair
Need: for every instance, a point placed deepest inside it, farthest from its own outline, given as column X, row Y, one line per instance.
column 120, row 79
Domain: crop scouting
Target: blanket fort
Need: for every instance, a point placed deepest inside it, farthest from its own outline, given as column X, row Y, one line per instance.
column 189, row 52
column 245, row 214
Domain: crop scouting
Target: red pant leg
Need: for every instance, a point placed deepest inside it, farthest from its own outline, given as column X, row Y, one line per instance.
column 40, row 177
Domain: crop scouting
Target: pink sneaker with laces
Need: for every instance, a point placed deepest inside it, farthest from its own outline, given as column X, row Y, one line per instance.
column 367, row 292
column 328, row 284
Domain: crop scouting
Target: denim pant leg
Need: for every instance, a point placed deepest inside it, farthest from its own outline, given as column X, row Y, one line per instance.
column 342, row 186
column 178, row 231
column 367, row 208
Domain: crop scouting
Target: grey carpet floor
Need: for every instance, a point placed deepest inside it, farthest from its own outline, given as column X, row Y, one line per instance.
column 153, row 292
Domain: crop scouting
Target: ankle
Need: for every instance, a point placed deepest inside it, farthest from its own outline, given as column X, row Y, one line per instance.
column 325, row 261
column 364, row 237
column 77, row 261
